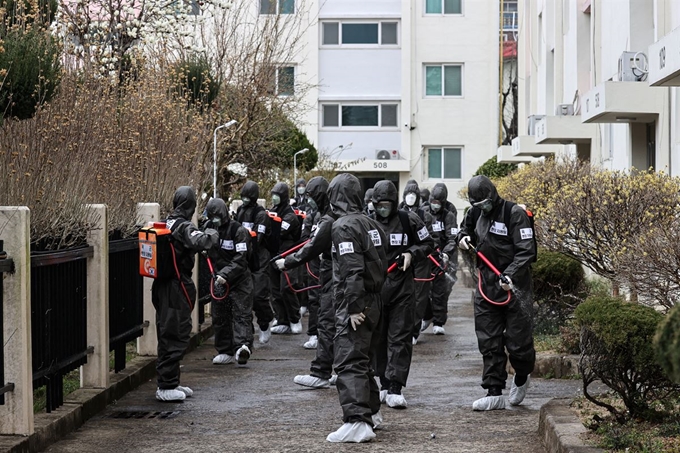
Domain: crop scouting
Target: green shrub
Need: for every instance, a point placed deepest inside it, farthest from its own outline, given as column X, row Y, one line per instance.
column 617, row 348
column 667, row 342
column 194, row 79
column 559, row 286
column 29, row 71
column 493, row 169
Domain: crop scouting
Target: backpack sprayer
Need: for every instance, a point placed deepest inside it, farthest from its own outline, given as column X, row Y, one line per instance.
column 498, row 273
column 309, row 271
column 441, row 269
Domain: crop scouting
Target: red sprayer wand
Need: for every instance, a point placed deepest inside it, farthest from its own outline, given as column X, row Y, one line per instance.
column 502, row 277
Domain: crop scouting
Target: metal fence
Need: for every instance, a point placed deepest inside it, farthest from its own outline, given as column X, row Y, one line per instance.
column 6, row 265
column 58, row 318
column 126, row 317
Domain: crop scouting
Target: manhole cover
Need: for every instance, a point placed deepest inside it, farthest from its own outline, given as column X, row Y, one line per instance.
column 144, row 414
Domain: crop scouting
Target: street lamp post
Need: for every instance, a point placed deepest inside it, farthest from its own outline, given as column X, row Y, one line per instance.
column 302, row 151
column 229, row 124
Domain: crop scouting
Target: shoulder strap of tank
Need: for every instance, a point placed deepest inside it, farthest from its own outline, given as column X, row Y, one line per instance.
column 507, row 212
column 405, row 224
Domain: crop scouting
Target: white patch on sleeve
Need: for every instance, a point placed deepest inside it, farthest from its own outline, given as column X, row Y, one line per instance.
column 346, row 247
column 196, row 233
column 375, row 237
column 423, row 233
column 285, row 225
column 261, row 229
column 241, row 247
column 437, row 226
column 526, row 233
column 170, row 223
column 455, row 231
column 499, row 228
column 396, row 239
column 227, row 245
column 248, row 225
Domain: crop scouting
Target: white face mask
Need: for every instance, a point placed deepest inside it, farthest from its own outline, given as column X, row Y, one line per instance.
column 301, row 190
column 410, row 199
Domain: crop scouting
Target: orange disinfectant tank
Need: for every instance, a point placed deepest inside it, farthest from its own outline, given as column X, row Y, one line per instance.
column 155, row 251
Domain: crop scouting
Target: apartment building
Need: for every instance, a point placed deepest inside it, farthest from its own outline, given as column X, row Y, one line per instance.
column 401, row 88
column 592, row 74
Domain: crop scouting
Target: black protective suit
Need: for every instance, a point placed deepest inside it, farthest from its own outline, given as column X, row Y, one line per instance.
column 445, row 226
column 424, row 198
column 393, row 359
column 511, row 249
column 423, row 269
column 174, row 298
column 233, row 316
column 311, row 297
column 359, row 266
column 284, row 301
column 254, row 218
column 368, row 198
column 320, row 244
column 300, row 201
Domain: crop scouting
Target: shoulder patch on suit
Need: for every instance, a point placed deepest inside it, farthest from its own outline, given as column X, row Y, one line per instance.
column 285, row 225
column 227, row 245
column 423, row 233
column 526, row 233
column 241, row 247
column 375, row 237
column 196, row 233
column 346, row 247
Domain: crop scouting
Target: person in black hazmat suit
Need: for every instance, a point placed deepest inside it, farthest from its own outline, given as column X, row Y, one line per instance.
column 174, row 298
column 309, row 300
column 232, row 316
column 409, row 242
column 423, row 269
column 424, row 198
column 254, row 218
column 359, row 266
column 319, row 244
column 300, row 198
column 368, row 202
column 284, row 300
column 445, row 226
column 511, row 249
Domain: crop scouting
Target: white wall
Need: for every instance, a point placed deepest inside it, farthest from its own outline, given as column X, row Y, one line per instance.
column 354, row 73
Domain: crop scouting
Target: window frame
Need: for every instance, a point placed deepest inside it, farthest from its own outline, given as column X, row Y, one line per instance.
column 443, row 80
column 426, row 168
column 341, row 104
column 380, row 44
column 461, row 13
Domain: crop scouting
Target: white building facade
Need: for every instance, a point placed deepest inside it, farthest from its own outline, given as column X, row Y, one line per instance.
column 593, row 82
column 403, row 89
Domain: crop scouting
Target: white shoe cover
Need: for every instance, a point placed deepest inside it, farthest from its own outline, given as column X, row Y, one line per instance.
column 395, row 401
column 170, row 395
column 438, row 330
column 352, row 432
column 517, row 394
column 489, row 403
column 383, row 394
column 186, row 390
column 424, row 324
column 311, row 381
column 333, row 379
column 415, row 340
column 280, row 329
column 242, row 355
column 303, row 310
column 377, row 420
column 265, row 336
column 312, row 343
column 274, row 323
column 296, row 328
column 223, row 359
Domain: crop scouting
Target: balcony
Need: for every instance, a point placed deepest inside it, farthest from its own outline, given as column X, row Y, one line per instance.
column 622, row 102
column 563, row 130
column 504, row 156
column 664, row 61
column 525, row 146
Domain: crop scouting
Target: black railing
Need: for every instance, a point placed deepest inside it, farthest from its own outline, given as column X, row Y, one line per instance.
column 58, row 318
column 6, row 265
column 126, row 317
column 204, row 297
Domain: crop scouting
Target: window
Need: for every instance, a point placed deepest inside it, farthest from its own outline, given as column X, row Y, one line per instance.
column 360, row 33
column 444, row 163
column 447, row 6
column 359, row 115
column 285, row 81
column 277, row 6
column 444, row 80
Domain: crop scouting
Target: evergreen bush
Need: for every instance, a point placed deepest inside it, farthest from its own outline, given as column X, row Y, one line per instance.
column 617, row 349
column 667, row 342
column 492, row 169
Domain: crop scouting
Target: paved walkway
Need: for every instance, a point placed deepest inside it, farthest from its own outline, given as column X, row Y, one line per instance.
column 258, row 408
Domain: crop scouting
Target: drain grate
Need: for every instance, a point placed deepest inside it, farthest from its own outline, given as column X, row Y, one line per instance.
column 144, row 414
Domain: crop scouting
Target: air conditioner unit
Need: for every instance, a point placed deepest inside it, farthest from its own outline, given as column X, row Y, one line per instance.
column 385, row 154
column 531, row 124
column 564, row 110
column 633, row 67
